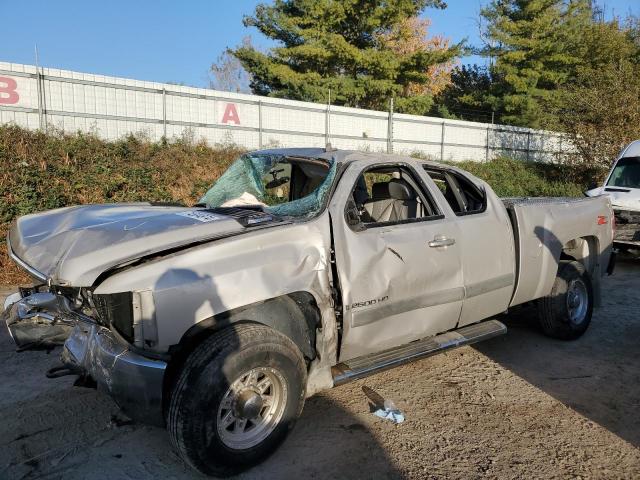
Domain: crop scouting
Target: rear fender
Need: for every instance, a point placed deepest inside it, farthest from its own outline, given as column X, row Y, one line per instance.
column 586, row 250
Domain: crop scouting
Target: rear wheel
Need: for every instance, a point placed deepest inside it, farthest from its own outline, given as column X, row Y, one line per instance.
column 566, row 312
column 236, row 398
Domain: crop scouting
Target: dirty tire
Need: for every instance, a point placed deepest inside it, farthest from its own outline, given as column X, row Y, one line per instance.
column 202, row 391
column 559, row 314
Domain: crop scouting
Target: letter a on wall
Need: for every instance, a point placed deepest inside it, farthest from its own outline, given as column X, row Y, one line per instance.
column 231, row 114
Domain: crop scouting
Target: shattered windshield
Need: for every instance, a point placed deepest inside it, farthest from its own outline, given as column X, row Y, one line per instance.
column 626, row 173
column 285, row 186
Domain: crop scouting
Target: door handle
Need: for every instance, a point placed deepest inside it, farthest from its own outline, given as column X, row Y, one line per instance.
column 441, row 241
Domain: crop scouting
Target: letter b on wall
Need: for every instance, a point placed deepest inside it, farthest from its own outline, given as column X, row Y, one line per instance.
column 8, row 91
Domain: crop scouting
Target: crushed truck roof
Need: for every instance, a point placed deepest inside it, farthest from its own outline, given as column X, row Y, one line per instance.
column 342, row 156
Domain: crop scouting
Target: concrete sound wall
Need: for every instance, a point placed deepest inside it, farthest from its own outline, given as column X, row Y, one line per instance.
column 113, row 107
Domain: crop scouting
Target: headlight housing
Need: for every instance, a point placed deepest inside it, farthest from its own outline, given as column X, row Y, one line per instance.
column 116, row 309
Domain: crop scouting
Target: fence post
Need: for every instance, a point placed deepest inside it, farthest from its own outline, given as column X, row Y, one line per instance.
column 528, row 144
column 44, row 105
column 39, row 88
column 260, row 124
column 390, row 128
column 559, row 156
column 39, row 92
column 164, row 113
column 442, row 142
column 327, row 123
column 486, row 153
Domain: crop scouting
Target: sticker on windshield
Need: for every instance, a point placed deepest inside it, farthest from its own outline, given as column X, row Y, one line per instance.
column 201, row 215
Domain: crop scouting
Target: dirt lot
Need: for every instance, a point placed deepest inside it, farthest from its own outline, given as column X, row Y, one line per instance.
column 519, row 406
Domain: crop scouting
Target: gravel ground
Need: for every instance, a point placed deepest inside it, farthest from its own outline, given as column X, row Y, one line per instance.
column 518, row 406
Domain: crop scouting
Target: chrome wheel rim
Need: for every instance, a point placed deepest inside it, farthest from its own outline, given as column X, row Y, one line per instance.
column 251, row 408
column 577, row 301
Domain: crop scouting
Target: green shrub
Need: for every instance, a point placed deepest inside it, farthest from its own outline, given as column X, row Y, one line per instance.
column 516, row 178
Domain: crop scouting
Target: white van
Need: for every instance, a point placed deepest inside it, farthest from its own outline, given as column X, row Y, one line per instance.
column 623, row 187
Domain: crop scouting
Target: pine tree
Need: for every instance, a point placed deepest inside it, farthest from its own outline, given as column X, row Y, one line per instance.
column 342, row 46
column 469, row 96
column 536, row 46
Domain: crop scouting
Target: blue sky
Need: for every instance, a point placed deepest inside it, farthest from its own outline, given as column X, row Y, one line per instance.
column 165, row 40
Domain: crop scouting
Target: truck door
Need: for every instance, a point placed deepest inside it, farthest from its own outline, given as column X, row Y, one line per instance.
column 486, row 243
column 397, row 257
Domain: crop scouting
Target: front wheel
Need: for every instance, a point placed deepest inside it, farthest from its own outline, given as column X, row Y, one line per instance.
column 236, row 398
column 566, row 312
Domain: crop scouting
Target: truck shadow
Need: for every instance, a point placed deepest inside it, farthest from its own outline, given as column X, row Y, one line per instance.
column 596, row 375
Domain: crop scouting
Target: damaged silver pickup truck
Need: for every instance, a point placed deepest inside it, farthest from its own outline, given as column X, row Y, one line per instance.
column 299, row 270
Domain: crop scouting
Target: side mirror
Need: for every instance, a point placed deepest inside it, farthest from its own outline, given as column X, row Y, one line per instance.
column 352, row 215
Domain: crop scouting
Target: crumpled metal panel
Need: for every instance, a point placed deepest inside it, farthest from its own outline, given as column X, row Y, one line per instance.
column 217, row 277
column 395, row 288
column 133, row 381
column 74, row 245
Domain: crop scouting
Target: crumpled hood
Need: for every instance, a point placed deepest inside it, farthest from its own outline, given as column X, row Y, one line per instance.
column 621, row 197
column 74, row 245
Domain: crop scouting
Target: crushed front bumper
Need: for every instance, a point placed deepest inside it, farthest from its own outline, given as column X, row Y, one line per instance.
column 35, row 321
column 134, row 381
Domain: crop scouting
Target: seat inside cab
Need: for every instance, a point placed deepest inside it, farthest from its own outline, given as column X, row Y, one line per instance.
column 389, row 194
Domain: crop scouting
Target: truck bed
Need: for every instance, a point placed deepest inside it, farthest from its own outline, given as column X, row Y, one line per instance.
column 545, row 226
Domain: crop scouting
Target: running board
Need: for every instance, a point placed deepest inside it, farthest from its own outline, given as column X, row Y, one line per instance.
column 361, row 367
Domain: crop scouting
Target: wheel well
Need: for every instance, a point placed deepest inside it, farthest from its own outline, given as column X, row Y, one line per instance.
column 584, row 250
column 295, row 315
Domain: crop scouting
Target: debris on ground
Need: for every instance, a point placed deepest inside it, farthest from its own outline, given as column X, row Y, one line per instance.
column 383, row 408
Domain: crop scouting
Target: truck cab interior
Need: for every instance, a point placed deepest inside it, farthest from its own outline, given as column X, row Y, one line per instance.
column 462, row 196
column 390, row 194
